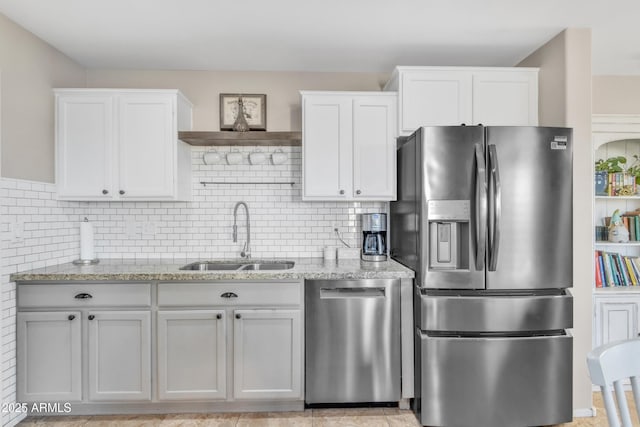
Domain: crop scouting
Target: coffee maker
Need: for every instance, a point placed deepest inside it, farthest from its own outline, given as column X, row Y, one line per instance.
column 374, row 237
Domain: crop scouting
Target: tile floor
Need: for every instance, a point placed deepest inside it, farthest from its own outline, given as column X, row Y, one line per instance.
column 353, row 417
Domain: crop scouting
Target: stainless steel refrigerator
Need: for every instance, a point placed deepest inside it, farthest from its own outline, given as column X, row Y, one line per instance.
column 484, row 217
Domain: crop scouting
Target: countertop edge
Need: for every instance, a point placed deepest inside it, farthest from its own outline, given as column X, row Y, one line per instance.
column 305, row 269
column 163, row 277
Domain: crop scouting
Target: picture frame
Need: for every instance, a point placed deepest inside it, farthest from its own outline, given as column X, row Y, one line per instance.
column 255, row 107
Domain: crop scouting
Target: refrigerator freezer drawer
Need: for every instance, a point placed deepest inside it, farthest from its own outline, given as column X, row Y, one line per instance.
column 493, row 382
column 496, row 313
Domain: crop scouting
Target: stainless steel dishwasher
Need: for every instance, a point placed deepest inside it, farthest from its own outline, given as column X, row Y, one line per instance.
column 352, row 341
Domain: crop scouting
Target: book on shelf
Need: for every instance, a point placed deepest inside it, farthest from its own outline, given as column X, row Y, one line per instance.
column 602, row 233
column 616, row 184
column 598, row 272
column 613, row 269
column 630, row 220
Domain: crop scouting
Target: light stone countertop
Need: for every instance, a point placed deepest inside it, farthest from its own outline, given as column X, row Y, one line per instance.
column 164, row 270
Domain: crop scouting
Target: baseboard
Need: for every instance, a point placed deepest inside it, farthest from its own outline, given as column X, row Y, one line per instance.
column 126, row 408
column 16, row 420
column 584, row 412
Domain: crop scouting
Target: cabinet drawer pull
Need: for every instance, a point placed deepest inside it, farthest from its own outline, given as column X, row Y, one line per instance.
column 71, row 317
column 105, row 191
column 121, row 191
column 218, row 316
column 91, row 317
column 358, row 192
column 229, row 295
column 238, row 316
column 83, row 296
column 341, row 191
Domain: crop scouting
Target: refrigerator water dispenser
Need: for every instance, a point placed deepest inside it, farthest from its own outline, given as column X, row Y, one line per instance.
column 448, row 234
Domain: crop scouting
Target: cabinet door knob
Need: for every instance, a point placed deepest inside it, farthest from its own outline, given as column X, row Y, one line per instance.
column 105, row 191
column 229, row 295
column 238, row 316
column 358, row 191
column 121, row 191
column 71, row 317
column 341, row 191
column 83, row 296
column 218, row 316
column 91, row 317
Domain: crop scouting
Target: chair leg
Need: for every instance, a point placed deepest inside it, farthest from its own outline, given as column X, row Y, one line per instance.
column 635, row 385
column 622, row 404
column 609, row 406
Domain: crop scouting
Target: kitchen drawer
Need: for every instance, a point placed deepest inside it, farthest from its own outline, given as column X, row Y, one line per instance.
column 235, row 294
column 462, row 379
column 96, row 295
column 496, row 312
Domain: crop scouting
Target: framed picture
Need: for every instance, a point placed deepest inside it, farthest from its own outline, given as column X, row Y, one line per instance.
column 255, row 109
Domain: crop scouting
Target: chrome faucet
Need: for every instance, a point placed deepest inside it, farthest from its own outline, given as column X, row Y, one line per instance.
column 246, row 250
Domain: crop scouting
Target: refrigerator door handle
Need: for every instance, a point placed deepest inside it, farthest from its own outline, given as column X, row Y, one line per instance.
column 496, row 208
column 481, row 207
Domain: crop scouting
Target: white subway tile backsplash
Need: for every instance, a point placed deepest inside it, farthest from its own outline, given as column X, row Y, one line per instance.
column 281, row 225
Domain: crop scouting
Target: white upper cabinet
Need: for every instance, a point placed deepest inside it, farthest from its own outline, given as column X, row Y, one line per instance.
column 374, row 148
column 505, row 98
column 84, row 145
column 326, row 130
column 122, row 145
column 445, row 96
column 436, row 98
column 348, row 148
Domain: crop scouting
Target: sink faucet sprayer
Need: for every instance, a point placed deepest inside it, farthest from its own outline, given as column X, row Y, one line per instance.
column 246, row 250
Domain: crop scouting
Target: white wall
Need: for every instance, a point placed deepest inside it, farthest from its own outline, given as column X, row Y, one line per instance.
column 565, row 100
column 203, row 89
column 616, row 94
column 30, row 69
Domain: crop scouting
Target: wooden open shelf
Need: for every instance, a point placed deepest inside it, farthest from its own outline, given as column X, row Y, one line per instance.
column 222, row 138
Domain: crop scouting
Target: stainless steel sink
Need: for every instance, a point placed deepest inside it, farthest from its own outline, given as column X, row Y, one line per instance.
column 267, row 266
column 236, row 266
column 211, row 265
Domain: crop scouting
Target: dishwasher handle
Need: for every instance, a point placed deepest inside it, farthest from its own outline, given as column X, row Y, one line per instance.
column 344, row 293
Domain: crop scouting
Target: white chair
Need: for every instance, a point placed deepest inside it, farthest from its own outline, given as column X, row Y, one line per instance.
column 611, row 364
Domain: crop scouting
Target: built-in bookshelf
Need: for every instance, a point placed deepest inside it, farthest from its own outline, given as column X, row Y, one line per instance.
column 613, row 145
column 616, row 278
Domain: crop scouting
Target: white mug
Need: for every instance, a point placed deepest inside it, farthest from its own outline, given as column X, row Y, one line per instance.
column 257, row 157
column 211, row 157
column 234, row 157
column 279, row 157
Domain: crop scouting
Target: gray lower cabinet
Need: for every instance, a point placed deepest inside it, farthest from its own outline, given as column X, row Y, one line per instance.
column 119, row 355
column 49, row 349
column 230, row 341
column 267, row 348
column 84, row 342
column 192, row 355
column 195, row 342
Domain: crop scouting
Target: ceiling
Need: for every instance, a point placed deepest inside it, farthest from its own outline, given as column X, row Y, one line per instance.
column 325, row 35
